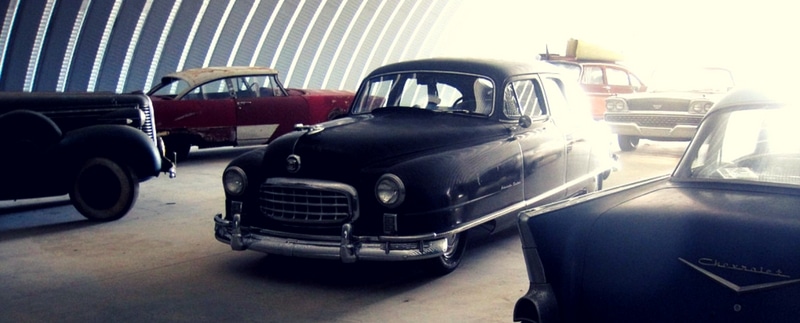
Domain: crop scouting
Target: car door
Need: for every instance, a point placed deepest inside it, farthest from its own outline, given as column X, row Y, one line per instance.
column 569, row 113
column 264, row 110
column 619, row 81
column 207, row 111
column 541, row 144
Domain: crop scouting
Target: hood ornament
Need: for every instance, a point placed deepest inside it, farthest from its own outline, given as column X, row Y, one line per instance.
column 293, row 163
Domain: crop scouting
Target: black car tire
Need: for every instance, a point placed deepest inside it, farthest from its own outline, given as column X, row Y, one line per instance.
column 104, row 190
column 451, row 258
column 627, row 143
column 177, row 148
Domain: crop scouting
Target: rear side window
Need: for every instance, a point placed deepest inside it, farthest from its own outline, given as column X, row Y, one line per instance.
column 592, row 75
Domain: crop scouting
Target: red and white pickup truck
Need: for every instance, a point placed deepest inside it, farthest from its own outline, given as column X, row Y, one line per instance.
column 235, row 106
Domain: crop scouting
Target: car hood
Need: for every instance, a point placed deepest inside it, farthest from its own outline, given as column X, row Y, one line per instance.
column 340, row 148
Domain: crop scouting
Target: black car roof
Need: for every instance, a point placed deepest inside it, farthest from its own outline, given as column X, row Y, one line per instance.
column 494, row 68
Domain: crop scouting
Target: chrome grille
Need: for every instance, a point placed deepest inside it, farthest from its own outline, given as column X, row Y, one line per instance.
column 656, row 121
column 148, row 126
column 671, row 105
column 298, row 203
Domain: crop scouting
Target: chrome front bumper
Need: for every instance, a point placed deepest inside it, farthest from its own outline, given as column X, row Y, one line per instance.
column 632, row 129
column 346, row 247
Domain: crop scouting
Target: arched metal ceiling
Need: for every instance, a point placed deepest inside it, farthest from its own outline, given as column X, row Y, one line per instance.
column 126, row 45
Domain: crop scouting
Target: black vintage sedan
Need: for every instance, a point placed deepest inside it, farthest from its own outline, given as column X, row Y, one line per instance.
column 429, row 150
column 717, row 241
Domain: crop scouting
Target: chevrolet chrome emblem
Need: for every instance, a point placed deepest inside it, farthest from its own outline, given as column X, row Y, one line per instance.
column 657, row 106
column 293, row 163
column 734, row 287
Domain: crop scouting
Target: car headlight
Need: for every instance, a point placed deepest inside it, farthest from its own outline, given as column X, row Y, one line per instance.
column 390, row 191
column 701, row 106
column 615, row 105
column 234, row 180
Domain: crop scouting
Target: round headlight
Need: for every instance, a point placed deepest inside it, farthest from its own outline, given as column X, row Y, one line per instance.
column 390, row 191
column 234, row 180
column 697, row 107
column 701, row 106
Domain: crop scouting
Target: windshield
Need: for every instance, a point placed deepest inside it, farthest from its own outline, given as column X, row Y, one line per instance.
column 755, row 145
column 708, row 80
column 170, row 87
column 435, row 91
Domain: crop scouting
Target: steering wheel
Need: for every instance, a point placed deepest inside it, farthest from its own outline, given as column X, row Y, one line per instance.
column 457, row 101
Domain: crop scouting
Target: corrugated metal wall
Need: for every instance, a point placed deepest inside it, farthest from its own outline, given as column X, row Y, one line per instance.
column 126, row 45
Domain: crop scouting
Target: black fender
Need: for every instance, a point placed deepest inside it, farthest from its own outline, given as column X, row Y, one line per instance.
column 125, row 145
column 28, row 131
column 28, row 140
column 450, row 189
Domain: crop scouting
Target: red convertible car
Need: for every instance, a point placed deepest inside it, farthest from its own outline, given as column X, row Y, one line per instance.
column 235, row 106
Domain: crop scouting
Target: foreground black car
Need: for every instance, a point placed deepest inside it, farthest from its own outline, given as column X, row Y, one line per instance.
column 429, row 150
column 714, row 242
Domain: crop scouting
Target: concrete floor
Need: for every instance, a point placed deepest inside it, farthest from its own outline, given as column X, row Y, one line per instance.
column 161, row 263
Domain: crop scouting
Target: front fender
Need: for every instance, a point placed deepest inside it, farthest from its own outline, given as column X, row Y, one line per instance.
column 125, row 145
column 452, row 188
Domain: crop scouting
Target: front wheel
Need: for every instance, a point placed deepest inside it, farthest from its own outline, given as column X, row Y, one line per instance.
column 104, row 190
column 627, row 143
column 449, row 261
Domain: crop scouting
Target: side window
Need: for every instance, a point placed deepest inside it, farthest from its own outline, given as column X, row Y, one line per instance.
column 635, row 83
column 556, row 98
column 592, row 75
column 267, row 85
column 617, row 76
column 246, row 87
column 213, row 90
column 523, row 97
column 567, row 101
